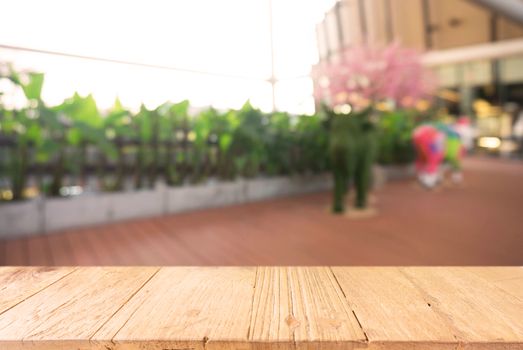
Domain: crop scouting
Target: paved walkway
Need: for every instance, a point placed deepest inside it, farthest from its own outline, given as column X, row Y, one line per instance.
column 480, row 223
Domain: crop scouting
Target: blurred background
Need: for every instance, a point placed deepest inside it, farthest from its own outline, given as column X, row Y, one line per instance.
column 201, row 132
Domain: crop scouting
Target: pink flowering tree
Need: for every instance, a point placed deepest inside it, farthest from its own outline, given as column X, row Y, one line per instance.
column 364, row 75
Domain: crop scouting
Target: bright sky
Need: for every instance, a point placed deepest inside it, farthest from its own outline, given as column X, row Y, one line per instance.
column 221, row 36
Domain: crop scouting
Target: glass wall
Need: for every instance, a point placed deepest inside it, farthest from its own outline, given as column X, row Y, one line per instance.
column 492, row 93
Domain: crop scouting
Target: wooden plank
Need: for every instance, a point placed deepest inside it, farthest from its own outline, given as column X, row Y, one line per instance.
column 272, row 318
column 38, row 251
column 3, row 258
column 19, row 283
column 391, row 310
column 82, row 253
column 512, row 286
column 60, row 249
column 302, row 306
column 108, row 252
column 16, row 252
column 320, row 308
column 124, row 233
column 121, row 254
column 158, row 253
column 196, row 242
column 259, row 308
column 186, row 307
column 70, row 311
column 179, row 254
column 510, row 279
column 478, row 312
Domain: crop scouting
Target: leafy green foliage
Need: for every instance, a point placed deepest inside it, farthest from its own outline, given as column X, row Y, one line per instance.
column 33, row 88
column 395, row 138
column 67, row 143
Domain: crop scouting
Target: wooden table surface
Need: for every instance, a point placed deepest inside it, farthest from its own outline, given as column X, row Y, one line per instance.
column 261, row 307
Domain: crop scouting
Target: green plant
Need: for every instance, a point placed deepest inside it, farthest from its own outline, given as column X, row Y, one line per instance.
column 173, row 118
column 310, row 150
column 82, row 126
column 352, row 148
column 247, row 148
column 395, row 138
column 143, row 128
column 74, row 140
column 24, row 127
column 280, row 139
column 227, row 124
column 118, row 129
column 203, row 157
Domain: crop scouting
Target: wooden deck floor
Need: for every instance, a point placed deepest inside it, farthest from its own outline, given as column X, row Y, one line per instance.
column 478, row 224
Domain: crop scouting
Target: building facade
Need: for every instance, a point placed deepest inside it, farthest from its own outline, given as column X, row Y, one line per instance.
column 475, row 50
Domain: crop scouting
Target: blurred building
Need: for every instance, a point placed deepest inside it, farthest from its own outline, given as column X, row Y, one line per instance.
column 474, row 46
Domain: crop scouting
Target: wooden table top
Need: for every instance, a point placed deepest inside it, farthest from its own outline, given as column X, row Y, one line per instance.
column 261, row 307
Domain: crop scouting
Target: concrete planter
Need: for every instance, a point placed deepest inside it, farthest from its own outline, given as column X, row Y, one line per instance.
column 381, row 174
column 62, row 213
column 143, row 203
column 23, row 217
column 399, row 172
column 47, row 215
column 51, row 214
column 187, row 198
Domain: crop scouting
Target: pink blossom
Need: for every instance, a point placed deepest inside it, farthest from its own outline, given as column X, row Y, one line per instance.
column 365, row 74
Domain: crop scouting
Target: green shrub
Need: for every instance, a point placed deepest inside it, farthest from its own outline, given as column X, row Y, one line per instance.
column 395, row 138
column 74, row 140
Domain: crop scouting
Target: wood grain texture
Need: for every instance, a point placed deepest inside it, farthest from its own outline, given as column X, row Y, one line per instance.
column 391, row 309
column 16, row 252
column 70, row 311
column 509, row 279
column 3, row 252
column 60, row 250
column 19, row 283
column 118, row 308
column 302, row 306
column 38, row 251
column 478, row 312
column 186, row 307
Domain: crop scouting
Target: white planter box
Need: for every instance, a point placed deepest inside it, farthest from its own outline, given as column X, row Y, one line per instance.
column 399, row 172
column 142, row 203
column 62, row 213
column 260, row 189
column 282, row 186
column 47, row 215
column 23, row 218
column 186, row 198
